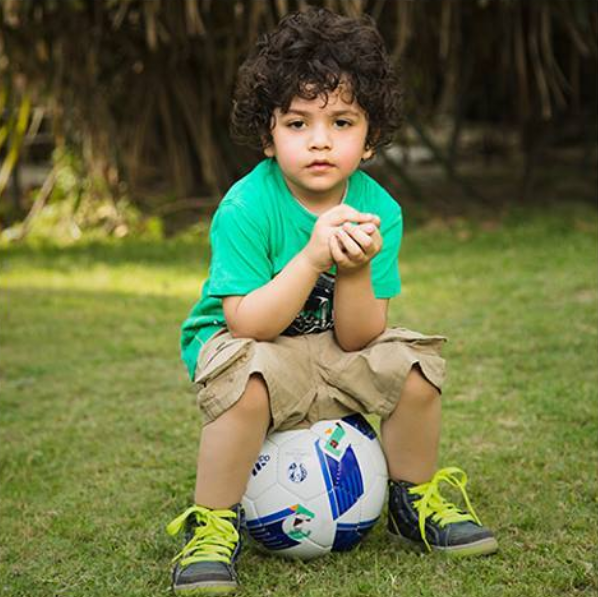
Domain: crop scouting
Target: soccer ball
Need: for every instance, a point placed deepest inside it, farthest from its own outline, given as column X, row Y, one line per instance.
column 316, row 490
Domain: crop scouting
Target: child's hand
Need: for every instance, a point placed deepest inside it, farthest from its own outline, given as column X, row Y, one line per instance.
column 318, row 250
column 353, row 247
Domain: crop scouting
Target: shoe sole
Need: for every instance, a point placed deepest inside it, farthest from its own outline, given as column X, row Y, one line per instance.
column 202, row 589
column 483, row 547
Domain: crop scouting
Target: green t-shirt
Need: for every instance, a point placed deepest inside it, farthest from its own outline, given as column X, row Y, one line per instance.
column 258, row 228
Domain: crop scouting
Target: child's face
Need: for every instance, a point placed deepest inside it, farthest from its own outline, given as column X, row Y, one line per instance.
column 318, row 146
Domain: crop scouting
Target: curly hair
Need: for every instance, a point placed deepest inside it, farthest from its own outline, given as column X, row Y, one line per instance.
column 312, row 54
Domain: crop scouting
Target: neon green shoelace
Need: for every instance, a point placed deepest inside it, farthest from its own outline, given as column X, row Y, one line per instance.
column 215, row 537
column 433, row 505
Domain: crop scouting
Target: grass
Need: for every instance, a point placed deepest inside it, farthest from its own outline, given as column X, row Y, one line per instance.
column 99, row 428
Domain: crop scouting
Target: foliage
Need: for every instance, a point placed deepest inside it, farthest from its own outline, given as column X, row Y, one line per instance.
column 145, row 100
column 12, row 131
column 79, row 206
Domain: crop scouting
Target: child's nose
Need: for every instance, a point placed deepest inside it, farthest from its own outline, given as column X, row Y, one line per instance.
column 320, row 138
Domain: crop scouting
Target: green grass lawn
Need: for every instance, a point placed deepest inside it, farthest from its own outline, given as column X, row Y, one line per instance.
column 99, row 430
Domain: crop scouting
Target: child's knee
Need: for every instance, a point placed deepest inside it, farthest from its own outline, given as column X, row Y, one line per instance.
column 255, row 400
column 417, row 386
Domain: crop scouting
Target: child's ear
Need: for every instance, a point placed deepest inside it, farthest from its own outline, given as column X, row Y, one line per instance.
column 367, row 154
column 370, row 146
column 268, row 147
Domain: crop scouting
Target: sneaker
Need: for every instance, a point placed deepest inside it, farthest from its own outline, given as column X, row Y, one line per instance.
column 206, row 565
column 419, row 517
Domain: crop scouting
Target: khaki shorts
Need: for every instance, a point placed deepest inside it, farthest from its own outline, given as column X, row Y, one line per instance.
column 310, row 378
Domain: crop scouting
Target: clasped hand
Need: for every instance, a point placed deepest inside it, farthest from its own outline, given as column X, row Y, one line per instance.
column 345, row 237
column 353, row 246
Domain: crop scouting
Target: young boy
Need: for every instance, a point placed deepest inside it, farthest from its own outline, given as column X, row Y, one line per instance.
column 291, row 327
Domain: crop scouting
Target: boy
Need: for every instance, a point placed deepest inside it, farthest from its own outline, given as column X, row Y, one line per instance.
column 292, row 323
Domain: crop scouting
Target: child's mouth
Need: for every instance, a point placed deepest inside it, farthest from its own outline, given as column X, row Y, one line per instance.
column 320, row 166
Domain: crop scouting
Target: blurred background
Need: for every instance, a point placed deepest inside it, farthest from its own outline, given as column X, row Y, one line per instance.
column 114, row 113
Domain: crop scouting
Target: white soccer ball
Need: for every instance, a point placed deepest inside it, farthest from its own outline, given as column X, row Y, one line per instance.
column 316, row 490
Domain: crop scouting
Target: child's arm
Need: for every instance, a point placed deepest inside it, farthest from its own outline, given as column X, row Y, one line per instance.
column 267, row 311
column 264, row 313
column 359, row 316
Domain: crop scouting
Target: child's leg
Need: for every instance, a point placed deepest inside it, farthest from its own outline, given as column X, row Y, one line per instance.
column 410, row 438
column 411, row 434
column 229, row 447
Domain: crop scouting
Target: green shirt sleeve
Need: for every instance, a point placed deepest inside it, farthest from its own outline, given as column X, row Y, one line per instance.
column 239, row 243
column 386, row 279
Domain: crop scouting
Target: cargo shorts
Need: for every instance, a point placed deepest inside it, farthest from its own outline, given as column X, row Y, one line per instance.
column 311, row 378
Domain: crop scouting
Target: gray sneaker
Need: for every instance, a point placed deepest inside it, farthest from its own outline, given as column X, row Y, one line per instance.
column 206, row 564
column 419, row 517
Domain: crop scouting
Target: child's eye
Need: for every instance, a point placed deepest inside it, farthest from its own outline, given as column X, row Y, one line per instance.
column 341, row 123
column 296, row 124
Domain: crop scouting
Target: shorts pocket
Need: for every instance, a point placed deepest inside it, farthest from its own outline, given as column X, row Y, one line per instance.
column 226, row 353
